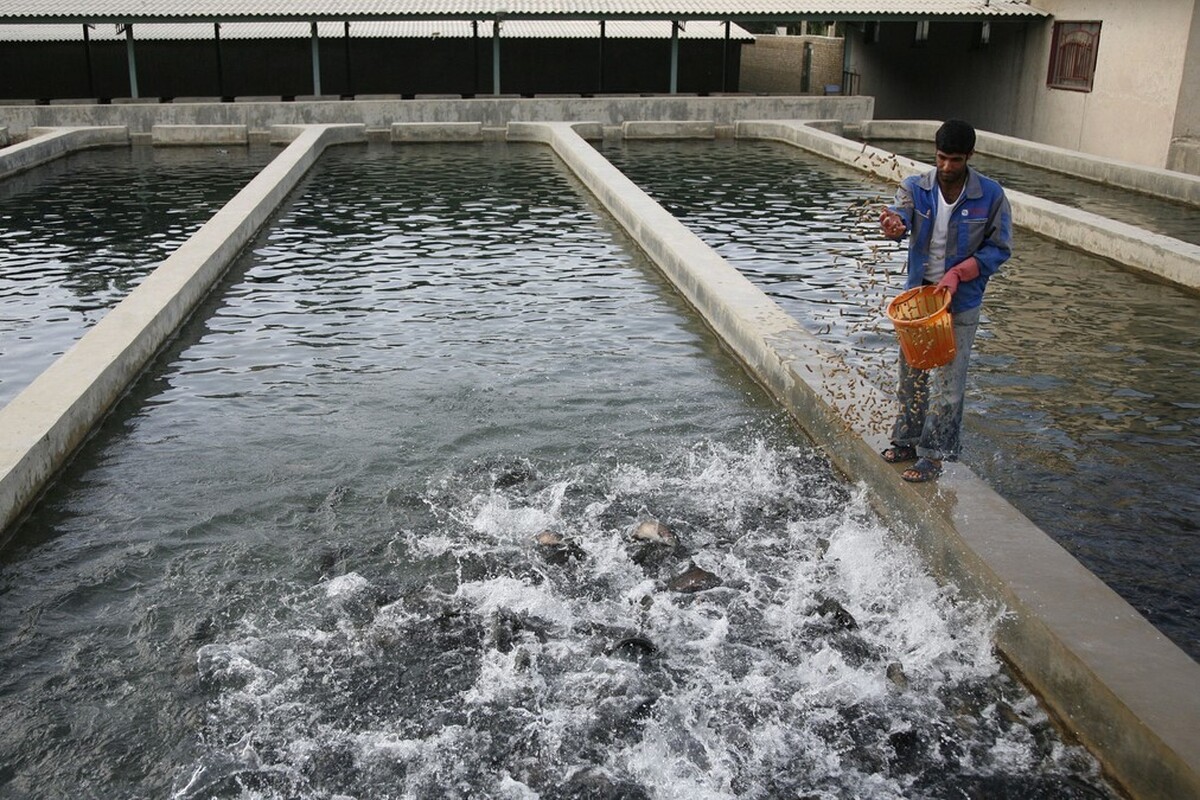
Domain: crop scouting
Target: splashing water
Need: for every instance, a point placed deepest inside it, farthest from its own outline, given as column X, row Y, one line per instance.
column 827, row 664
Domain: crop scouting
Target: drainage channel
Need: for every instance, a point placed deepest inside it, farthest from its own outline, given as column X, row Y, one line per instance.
column 297, row 559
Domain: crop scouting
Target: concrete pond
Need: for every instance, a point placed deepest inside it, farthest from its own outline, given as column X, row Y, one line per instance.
column 299, row 544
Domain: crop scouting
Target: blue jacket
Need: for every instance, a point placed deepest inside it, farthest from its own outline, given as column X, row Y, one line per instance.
column 981, row 226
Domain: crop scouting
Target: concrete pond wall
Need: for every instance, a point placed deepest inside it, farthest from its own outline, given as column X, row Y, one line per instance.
column 1112, row 680
column 378, row 115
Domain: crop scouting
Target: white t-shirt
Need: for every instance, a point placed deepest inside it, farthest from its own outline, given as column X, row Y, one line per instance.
column 936, row 267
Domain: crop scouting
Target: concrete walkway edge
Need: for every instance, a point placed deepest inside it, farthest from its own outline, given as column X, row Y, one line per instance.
column 43, row 425
column 1128, row 693
column 47, row 144
column 1160, row 256
column 1167, row 184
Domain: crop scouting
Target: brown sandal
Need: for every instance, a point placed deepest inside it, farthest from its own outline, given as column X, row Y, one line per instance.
column 924, row 470
column 899, row 453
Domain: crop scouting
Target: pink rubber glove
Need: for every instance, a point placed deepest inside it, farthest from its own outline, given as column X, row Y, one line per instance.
column 892, row 224
column 963, row 271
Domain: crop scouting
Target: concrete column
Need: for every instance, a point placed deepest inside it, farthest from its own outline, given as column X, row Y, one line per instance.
column 349, row 74
column 475, row 56
column 220, row 66
column 87, row 54
column 316, row 60
column 600, row 58
column 496, row 56
column 846, row 40
column 725, row 60
column 674, row 56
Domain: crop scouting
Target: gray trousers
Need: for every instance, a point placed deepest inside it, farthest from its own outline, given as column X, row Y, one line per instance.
column 931, row 401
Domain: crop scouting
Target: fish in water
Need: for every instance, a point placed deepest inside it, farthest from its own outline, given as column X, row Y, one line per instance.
column 835, row 613
column 633, row 648
column 693, row 579
column 653, row 531
column 556, row 548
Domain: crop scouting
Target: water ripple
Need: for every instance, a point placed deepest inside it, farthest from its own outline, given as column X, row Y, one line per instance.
column 78, row 233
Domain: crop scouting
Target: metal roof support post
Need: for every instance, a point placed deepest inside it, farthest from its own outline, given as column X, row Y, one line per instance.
column 129, row 56
column 87, row 54
column 346, row 36
column 496, row 56
column 475, row 53
column 220, row 64
column 846, row 38
column 674, row 56
column 316, row 59
column 725, row 60
column 600, row 59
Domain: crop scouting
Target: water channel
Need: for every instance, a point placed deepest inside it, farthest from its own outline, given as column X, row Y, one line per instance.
column 1177, row 220
column 79, row 232
column 297, row 560
column 1083, row 397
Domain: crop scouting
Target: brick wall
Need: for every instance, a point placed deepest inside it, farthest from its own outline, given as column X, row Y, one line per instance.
column 776, row 64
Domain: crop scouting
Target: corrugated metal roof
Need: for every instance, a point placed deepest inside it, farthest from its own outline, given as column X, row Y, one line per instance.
column 411, row 29
column 14, row 11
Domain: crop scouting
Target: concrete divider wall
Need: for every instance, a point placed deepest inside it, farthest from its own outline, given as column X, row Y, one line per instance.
column 44, row 424
column 1164, row 183
column 1160, row 256
column 437, row 132
column 49, row 144
column 1115, row 682
column 660, row 129
column 490, row 112
column 199, row 134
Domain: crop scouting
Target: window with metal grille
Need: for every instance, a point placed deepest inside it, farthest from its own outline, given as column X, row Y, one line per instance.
column 1073, row 55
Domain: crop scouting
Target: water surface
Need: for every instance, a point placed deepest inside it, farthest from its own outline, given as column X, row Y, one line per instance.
column 297, row 560
column 77, row 233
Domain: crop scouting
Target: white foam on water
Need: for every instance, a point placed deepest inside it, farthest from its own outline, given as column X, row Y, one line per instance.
column 515, row 595
column 497, row 516
column 828, row 664
column 348, row 585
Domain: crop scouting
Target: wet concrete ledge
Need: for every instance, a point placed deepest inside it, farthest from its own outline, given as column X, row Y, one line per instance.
column 43, row 425
column 1158, row 256
column 1126, row 691
column 48, row 144
column 1167, row 184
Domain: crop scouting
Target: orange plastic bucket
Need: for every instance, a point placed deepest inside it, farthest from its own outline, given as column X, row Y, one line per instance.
column 924, row 326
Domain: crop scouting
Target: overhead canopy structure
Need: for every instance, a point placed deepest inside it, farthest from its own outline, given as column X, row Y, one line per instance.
column 140, row 11
column 412, row 29
column 124, row 16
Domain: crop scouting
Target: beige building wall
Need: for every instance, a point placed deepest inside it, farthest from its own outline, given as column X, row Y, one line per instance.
column 775, row 64
column 1130, row 113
